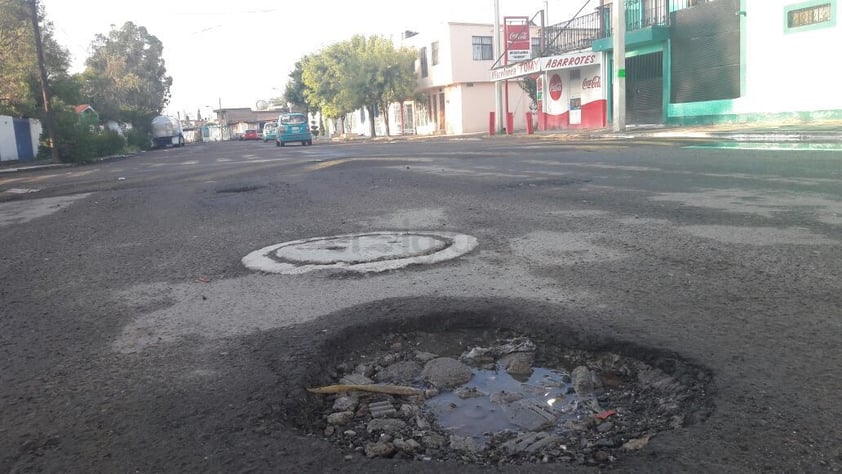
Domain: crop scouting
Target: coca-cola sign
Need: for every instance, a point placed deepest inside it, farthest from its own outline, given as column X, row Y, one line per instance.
column 518, row 45
column 555, row 87
column 592, row 83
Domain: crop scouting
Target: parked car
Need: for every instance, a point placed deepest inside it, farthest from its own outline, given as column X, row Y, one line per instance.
column 270, row 131
column 293, row 127
column 250, row 135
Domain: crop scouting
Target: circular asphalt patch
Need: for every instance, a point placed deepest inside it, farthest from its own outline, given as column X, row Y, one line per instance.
column 366, row 252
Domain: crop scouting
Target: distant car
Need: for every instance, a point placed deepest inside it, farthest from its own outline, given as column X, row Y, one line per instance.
column 250, row 135
column 270, row 131
column 293, row 128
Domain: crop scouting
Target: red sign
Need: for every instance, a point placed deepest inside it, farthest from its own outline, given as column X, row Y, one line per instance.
column 555, row 87
column 517, row 37
column 518, row 43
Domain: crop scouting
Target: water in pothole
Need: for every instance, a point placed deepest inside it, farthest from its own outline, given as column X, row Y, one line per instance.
column 484, row 406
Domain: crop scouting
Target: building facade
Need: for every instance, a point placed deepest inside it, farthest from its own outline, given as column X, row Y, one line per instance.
column 709, row 61
column 781, row 69
column 453, row 67
column 690, row 62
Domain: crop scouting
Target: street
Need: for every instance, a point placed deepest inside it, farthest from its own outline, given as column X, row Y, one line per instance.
column 134, row 339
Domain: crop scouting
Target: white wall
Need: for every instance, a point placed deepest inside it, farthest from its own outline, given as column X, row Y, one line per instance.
column 456, row 63
column 8, row 147
column 35, row 129
column 796, row 71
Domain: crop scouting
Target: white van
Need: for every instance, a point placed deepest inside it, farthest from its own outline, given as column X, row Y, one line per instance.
column 269, row 131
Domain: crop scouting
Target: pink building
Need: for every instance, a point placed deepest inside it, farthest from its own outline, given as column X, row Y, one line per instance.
column 453, row 67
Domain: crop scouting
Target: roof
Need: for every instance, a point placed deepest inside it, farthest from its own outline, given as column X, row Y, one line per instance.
column 83, row 107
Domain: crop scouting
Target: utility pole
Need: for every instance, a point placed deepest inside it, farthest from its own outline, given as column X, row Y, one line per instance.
column 498, row 85
column 221, row 115
column 45, row 87
column 618, row 21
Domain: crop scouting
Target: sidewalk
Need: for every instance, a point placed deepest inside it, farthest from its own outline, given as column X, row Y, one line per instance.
column 829, row 131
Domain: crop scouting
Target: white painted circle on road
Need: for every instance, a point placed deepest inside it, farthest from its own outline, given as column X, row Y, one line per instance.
column 367, row 252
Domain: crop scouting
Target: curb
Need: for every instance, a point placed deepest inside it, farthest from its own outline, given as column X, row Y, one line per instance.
column 33, row 168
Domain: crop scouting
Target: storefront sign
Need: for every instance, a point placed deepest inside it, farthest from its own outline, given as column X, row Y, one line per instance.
column 555, row 87
column 516, row 70
column 518, row 44
column 592, row 83
column 569, row 60
column 552, row 63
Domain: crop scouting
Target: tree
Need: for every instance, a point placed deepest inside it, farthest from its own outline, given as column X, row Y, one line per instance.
column 126, row 78
column 295, row 92
column 20, row 90
column 530, row 86
column 363, row 72
column 321, row 75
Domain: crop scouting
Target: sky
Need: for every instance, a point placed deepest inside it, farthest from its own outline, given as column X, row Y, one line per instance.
column 236, row 53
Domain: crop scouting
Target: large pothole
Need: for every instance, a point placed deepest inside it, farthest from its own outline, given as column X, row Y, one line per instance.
column 500, row 397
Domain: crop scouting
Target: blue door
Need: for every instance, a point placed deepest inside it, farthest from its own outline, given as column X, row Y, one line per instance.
column 23, row 139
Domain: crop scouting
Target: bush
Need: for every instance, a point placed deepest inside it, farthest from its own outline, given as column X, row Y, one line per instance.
column 78, row 144
column 137, row 139
column 107, row 143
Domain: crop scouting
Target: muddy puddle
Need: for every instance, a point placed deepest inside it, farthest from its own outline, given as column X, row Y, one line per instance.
column 488, row 397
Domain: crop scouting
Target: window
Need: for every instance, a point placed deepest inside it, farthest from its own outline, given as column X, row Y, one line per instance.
column 422, row 57
column 434, row 52
column 483, row 49
column 536, row 47
column 810, row 15
column 575, row 74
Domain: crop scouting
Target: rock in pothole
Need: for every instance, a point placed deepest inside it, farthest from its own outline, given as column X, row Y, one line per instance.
column 445, row 372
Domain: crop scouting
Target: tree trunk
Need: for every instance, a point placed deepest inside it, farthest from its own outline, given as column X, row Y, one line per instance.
column 45, row 86
column 385, row 113
column 371, row 109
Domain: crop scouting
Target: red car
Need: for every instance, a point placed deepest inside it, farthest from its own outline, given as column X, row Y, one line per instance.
column 250, row 135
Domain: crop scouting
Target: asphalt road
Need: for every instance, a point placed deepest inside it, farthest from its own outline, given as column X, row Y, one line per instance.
column 133, row 339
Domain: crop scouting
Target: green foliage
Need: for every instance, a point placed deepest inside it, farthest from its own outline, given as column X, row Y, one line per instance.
column 78, row 141
column 137, row 139
column 362, row 72
column 295, row 92
column 126, row 77
column 20, row 89
column 530, row 86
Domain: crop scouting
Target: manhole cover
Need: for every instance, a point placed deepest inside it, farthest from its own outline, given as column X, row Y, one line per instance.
column 368, row 252
column 503, row 400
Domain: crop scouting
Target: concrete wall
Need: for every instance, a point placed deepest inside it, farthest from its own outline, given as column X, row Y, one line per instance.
column 35, row 134
column 789, row 70
column 785, row 72
column 8, row 147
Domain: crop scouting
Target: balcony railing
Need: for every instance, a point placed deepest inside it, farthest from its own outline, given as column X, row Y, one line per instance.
column 580, row 32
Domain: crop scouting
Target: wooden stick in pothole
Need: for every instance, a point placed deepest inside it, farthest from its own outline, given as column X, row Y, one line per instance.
column 376, row 388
